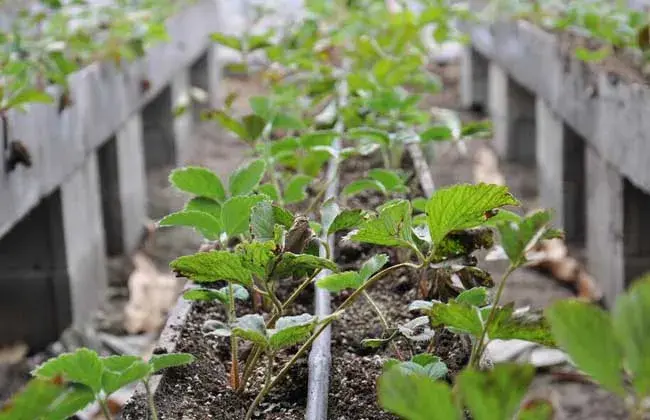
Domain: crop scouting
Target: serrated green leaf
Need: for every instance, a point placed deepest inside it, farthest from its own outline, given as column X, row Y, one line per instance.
column 419, row 204
column 631, row 315
column 159, row 362
column 587, row 334
column 291, row 263
column 495, row 394
column 291, row 330
column 283, row 216
column 531, row 328
column 415, row 397
column 205, row 223
column 120, row 371
column 463, row 206
column 340, row 281
column 257, row 256
column 296, row 189
column 392, row 227
column 477, row 296
column 83, row 367
column 199, row 181
column 246, row 178
column 37, row 399
column 27, row 96
column 252, row 328
column 346, row 219
column 372, row 134
column 371, row 266
column 208, row 267
column 460, row 316
column 262, row 221
column 227, row 41
column 236, row 213
column 287, row 145
column 518, row 238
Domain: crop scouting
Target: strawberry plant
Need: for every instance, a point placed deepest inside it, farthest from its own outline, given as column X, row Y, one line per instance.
column 66, row 384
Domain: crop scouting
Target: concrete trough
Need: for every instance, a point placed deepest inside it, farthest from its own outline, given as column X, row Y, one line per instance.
column 586, row 131
column 84, row 195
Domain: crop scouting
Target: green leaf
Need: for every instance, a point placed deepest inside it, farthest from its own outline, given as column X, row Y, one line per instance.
column 263, row 221
column 246, row 178
column 477, row 296
column 631, row 315
column 371, row 266
column 120, row 371
column 257, row 256
column 585, row 54
column 415, row 397
column 392, row 227
column 270, row 191
column 26, row 96
column 291, row 263
column 463, row 206
column 346, row 219
column 318, row 138
column 372, row 134
column 227, row 41
column 73, row 400
column 205, row 205
column 208, row 295
column 426, row 365
column 477, row 129
column 495, row 394
column 236, row 213
column 159, row 362
column 252, row 328
column 83, row 367
column 229, row 123
column 261, row 105
column 283, row 216
column 285, row 146
column 389, row 179
column 587, row 334
column 340, row 281
column 518, row 238
column 254, row 125
column 506, row 326
column 198, row 181
column 296, row 189
column 436, row 133
column 460, row 316
column 537, row 409
column 203, row 222
column 287, row 122
column 208, row 267
column 291, row 330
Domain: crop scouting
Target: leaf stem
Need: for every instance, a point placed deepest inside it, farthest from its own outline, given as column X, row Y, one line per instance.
column 234, row 348
column 318, row 196
column 105, row 411
column 479, row 347
column 382, row 319
column 265, row 390
column 349, row 301
column 150, row 401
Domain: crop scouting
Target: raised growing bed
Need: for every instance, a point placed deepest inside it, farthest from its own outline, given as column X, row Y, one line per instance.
column 201, row 390
column 584, row 123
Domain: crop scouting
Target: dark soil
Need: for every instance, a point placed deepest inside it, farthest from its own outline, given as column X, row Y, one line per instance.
column 355, row 369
